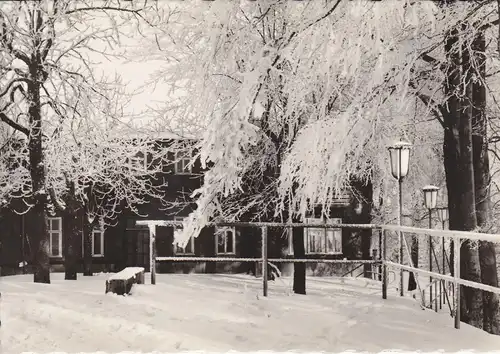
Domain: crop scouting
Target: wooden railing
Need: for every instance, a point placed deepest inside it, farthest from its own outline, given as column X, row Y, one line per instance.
column 439, row 281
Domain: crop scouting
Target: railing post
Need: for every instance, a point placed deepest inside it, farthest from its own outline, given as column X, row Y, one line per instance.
column 401, row 272
column 152, row 253
column 264, row 260
column 380, row 254
column 443, row 284
column 456, row 266
column 384, row 264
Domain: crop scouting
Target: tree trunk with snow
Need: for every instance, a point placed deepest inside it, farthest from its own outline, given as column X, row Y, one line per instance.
column 457, row 152
column 487, row 256
column 40, row 236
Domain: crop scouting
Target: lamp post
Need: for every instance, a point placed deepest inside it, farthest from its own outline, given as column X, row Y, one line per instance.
column 430, row 200
column 399, row 154
column 443, row 217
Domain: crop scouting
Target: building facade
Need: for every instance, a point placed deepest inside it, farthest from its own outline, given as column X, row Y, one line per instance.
column 125, row 243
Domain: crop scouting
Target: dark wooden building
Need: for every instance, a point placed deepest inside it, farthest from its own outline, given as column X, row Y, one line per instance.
column 127, row 244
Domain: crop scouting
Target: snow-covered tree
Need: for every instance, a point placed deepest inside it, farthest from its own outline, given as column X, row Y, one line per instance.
column 97, row 168
column 336, row 82
column 48, row 56
column 274, row 79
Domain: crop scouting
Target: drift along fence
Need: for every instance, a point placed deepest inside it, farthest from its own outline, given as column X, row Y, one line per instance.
column 441, row 277
column 444, row 285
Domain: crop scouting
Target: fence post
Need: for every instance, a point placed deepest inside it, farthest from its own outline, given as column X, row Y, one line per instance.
column 380, row 254
column 264, row 260
column 152, row 253
column 384, row 264
column 456, row 266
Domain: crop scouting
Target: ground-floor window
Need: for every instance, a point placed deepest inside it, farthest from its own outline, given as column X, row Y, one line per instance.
column 189, row 247
column 98, row 242
column 225, row 240
column 55, row 237
column 323, row 241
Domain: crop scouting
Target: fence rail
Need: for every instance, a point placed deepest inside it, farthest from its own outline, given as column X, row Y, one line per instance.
column 274, row 260
column 383, row 260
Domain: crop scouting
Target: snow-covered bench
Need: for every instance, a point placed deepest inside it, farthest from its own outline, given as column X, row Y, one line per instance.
column 120, row 283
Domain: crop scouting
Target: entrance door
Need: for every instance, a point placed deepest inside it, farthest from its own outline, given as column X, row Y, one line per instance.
column 138, row 247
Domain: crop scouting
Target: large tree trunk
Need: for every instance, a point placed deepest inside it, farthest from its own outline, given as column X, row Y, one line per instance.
column 87, row 246
column 487, row 256
column 40, row 235
column 71, row 233
column 472, row 299
column 365, row 217
column 457, row 149
column 40, row 244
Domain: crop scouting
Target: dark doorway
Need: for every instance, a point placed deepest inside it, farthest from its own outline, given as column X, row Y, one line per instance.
column 138, row 246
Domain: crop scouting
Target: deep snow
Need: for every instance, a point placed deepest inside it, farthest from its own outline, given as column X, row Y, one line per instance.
column 220, row 313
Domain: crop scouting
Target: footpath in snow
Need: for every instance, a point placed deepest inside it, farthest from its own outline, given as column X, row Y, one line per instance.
column 219, row 313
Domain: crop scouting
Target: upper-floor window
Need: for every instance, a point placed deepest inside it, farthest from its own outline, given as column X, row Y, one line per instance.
column 182, row 163
column 139, row 162
column 55, row 237
column 323, row 241
column 225, row 241
column 189, row 248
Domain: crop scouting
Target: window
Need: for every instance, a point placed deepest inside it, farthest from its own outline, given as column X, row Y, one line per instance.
column 138, row 163
column 55, row 239
column 98, row 242
column 189, row 248
column 324, row 241
column 182, row 160
column 225, row 240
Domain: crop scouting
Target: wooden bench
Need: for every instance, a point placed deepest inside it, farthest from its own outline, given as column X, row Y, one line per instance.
column 121, row 282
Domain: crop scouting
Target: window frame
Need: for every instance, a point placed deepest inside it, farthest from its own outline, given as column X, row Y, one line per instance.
column 101, row 231
column 290, row 250
column 182, row 160
column 60, row 234
column 179, row 250
column 139, row 163
column 219, row 231
column 333, row 221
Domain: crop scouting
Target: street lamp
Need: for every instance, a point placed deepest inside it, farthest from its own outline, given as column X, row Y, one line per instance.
column 430, row 200
column 399, row 154
column 443, row 215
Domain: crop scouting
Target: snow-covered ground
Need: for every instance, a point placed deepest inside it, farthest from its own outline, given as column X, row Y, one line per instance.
column 219, row 313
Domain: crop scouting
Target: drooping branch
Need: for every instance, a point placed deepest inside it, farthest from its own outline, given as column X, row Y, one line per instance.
column 102, row 8
column 11, row 83
column 13, row 124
